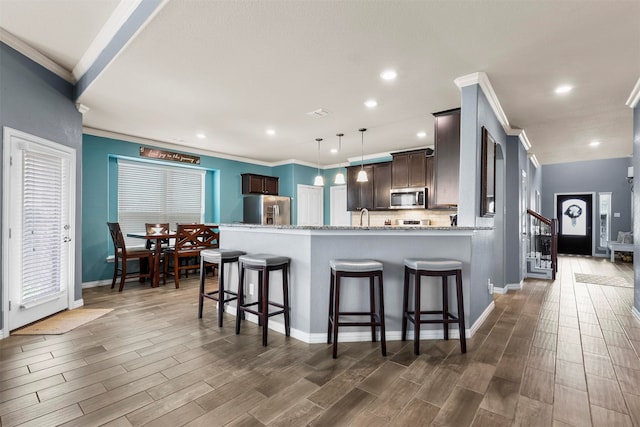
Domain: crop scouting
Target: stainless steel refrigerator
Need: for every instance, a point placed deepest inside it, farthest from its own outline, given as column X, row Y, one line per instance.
column 272, row 210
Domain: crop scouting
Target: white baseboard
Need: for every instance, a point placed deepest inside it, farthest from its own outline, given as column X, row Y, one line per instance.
column 77, row 304
column 508, row 287
column 96, row 283
column 635, row 312
column 360, row 336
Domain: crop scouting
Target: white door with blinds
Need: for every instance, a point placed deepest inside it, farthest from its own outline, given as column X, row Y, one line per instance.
column 152, row 193
column 38, row 228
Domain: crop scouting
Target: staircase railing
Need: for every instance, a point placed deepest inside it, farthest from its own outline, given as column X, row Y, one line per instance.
column 543, row 244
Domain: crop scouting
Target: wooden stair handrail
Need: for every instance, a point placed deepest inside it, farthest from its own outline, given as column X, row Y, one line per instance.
column 539, row 217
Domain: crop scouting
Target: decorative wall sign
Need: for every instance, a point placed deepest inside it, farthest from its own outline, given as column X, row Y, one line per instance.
column 169, row 155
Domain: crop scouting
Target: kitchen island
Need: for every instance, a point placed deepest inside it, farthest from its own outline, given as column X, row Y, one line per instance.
column 311, row 247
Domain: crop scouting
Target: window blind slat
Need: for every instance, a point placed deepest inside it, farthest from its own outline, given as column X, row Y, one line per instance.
column 157, row 193
column 42, row 218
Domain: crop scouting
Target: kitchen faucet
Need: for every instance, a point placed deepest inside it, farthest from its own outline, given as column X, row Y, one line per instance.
column 362, row 212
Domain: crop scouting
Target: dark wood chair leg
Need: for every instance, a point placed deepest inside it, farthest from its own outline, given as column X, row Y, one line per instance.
column 239, row 312
column 383, row 339
column 331, row 317
column 285, row 296
column 336, row 315
column 372, row 307
column 445, row 306
column 416, row 314
column 221, row 291
column 264, row 307
column 115, row 272
column 463, row 338
column 201, row 296
column 124, row 274
column 405, row 303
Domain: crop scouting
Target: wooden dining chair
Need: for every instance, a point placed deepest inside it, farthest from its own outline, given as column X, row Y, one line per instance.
column 190, row 240
column 159, row 228
column 122, row 255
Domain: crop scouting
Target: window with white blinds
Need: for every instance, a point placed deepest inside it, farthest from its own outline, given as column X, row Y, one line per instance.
column 42, row 213
column 155, row 193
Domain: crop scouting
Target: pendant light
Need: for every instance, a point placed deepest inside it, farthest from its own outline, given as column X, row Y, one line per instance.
column 362, row 175
column 319, row 181
column 339, row 180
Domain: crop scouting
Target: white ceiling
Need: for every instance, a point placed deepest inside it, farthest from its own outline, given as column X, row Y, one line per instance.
column 232, row 69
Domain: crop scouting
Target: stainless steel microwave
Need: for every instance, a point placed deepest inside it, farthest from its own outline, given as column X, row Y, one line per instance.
column 409, row 198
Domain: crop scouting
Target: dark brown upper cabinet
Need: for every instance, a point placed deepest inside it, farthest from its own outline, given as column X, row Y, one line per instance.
column 259, row 184
column 375, row 194
column 409, row 169
column 447, row 158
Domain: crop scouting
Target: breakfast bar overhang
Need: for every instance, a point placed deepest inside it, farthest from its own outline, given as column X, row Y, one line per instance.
column 311, row 247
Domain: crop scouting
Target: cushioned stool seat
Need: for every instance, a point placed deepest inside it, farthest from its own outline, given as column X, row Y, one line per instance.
column 439, row 268
column 220, row 257
column 356, row 268
column 264, row 264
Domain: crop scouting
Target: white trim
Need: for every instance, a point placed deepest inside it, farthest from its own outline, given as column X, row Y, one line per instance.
column 124, row 47
column 364, row 336
column 216, row 154
column 524, row 140
column 481, row 79
column 508, row 287
column 77, row 304
column 36, row 56
column 635, row 312
column 7, row 134
column 120, row 14
column 534, row 161
column 634, row 97
column 82, row 108
column 96, row 283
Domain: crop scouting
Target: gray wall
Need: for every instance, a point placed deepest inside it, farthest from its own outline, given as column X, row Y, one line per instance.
column 609, row 175
column 636, row 207
column 38, row 102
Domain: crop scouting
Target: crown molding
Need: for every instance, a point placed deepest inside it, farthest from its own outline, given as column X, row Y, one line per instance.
column 82, row 108
column 172, row 146
column 481, row 79
column 120, row 14
column 634, row 97
column 35, row 55
column 534, row 161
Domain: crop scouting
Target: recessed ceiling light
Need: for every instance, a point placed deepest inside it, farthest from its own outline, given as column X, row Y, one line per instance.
column 271, row 132
column 201, row 135
column 334, row 150
column 421, row 134
column 371, row 103
column 563, row 89
column 594, row 143
column 388, row 75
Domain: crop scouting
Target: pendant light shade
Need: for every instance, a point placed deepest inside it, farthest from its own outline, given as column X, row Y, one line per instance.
column 362, row 175
column 319, row 181
column 339, row 179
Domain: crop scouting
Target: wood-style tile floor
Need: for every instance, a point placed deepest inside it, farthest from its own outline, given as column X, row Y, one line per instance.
column 553, row 354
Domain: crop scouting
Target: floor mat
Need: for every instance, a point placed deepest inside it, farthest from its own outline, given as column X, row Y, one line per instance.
column 63, row 322
column 604, row 280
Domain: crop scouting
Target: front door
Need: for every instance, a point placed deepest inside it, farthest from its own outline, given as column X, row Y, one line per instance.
column 38, row 252
column 575, row 223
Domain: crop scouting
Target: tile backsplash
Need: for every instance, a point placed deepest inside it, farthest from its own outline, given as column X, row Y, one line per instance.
column 439, row 218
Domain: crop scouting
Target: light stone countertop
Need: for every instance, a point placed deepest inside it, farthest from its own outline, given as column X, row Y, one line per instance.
column 357, row 228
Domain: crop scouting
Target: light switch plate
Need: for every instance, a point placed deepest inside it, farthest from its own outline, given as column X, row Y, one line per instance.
column 616, row 214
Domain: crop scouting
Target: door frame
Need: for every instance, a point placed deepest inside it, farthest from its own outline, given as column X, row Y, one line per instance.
column 593, row 215
column 7, row 135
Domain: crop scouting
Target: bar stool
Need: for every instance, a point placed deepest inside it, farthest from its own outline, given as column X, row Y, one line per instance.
column 432, row 267
column 222, row 295
column 263, row 264
column 355, row 268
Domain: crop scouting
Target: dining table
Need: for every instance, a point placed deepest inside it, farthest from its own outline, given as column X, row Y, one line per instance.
column 157, row 250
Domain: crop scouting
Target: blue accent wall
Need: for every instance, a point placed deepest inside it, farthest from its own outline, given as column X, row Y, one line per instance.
column 223, row 193
column 36, row 101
